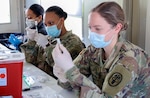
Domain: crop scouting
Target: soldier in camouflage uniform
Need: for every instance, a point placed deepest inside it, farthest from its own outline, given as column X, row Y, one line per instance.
column 34, row 22
column 119, row 69
column 54, row 21
column 31, row 49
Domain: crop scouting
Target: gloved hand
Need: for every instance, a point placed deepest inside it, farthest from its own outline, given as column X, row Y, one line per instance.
column 62, row 57
column 41, row 39
column 31, row 33
column 59, row 73
column 14, row 40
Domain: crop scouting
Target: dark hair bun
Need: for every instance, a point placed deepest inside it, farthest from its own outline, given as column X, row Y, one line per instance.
column 37, row 9
column 65, row 15
column 59, row 11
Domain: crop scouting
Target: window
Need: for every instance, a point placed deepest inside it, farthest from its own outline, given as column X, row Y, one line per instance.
column 5, row 16
column 74, row 10
column 9, row 17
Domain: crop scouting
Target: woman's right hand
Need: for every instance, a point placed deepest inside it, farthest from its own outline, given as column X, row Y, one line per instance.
column 41, row 39
column 31, row 33
column 62, row 57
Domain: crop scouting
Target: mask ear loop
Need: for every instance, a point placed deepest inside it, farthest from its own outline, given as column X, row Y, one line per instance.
column 111, row 37
column 58, row 23
column 108, row 32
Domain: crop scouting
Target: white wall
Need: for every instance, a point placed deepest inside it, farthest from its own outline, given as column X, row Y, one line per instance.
column 147, row 39
column 139, row 22
column 30, row 2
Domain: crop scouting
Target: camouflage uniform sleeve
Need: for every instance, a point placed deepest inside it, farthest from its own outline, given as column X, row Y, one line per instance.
column 74, row 45
column 140, row 84
column 33, row 52
column 87, row 88
column 48, row 53
column 49, row 60
column 30, row 50
column 41, row 58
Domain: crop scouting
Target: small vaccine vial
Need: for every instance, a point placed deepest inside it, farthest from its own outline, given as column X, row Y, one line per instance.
column 36, row 23
column 58, row 40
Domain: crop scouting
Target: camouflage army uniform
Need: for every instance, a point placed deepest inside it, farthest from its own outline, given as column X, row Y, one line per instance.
column 33, row 53
column 22, row 46
column 73, row 44
column 42, row 58
column 125, row 74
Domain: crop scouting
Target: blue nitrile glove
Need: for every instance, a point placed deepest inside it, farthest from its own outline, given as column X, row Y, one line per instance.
column 14, row 40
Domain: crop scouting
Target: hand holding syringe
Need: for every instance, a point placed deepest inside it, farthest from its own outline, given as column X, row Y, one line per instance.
column 62, row 57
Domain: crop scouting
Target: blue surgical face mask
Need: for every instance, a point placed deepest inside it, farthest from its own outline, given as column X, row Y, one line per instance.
column 53, row 30
column 98, row 40
column 30, row 23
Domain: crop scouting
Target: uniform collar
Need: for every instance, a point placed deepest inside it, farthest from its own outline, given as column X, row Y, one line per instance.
column 115, row 52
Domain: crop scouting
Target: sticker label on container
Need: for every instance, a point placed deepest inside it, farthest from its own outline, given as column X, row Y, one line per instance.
column 3, row 77
column 6, row 96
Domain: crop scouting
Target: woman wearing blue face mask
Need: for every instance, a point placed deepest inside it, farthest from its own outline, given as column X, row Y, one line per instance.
column 119, row 69
column 34, row 23
column 98, row 40
column 54, row 19
column 53, row 30
column 34, row 18
column 36, row 35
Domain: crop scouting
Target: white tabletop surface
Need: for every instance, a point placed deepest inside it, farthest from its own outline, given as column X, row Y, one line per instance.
column 49, row 84
column 2, row 47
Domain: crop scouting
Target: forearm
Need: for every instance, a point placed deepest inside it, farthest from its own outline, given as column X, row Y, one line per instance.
column 40, row 55
column 48, row 55
column 65, row 85
column 86, row 92
column 70, row 86
column 30, row 50
column 87, row 88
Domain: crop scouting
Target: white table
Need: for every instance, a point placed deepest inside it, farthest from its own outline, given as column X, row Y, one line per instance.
column 47, row 81
column 49, row 84
column 2, row 47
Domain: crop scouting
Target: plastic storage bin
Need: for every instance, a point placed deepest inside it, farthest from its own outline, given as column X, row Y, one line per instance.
column 11, row 67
